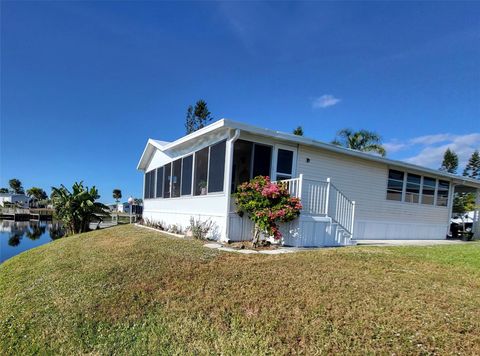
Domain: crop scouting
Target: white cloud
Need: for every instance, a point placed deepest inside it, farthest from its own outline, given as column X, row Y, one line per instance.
column 325, row 101
column 432, row 139
column 431, row 148
column 394, row 146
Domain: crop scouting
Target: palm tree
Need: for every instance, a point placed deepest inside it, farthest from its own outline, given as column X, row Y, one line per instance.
column 362, row 140
column 77, row 209
column 117, row 194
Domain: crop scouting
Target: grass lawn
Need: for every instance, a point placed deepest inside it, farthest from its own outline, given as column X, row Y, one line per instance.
column 131, row 290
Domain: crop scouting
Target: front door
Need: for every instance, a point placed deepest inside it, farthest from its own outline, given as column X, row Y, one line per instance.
column 285, row 162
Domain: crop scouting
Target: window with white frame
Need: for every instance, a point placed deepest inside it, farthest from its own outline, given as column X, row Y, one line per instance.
column 412, row 192
column 442, row 193
column 395, row 185
column 284, row 164
column 414, row 188
column 428, row 190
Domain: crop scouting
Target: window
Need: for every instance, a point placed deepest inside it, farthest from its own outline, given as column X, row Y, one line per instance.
column 412, row 193
column 442, row 193
column 395, row 185
column 262, row 156
column 159, row 182
column 176, row 178
column 187, row 163
column 284, row 164
column 428, row 191
column 167, row 179
column 216, row 171
column 201, row 171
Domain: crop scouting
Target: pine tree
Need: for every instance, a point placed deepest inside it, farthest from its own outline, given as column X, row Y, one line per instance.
column 197, row 117
column 450, row 162
column 189, row 126
column 472, row 169
column 298, row 131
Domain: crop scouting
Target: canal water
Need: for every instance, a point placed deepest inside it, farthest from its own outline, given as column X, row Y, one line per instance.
column 19, row 236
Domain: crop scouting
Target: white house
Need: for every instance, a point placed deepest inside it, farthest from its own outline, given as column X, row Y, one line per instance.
column 346, row 195
column 20, row 200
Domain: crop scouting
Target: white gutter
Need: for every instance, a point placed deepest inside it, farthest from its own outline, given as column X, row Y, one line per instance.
column 229, row 170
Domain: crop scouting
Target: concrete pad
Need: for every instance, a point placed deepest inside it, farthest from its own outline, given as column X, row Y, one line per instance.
column 213, row 245
column 408, row 242
column 247, row 252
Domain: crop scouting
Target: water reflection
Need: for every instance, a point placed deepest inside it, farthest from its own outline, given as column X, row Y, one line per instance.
column 19, row 236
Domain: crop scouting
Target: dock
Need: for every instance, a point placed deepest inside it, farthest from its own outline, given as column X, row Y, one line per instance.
column 20, row 214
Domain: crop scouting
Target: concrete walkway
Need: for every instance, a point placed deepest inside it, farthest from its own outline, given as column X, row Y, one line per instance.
column 278, row 251
column 408, row 242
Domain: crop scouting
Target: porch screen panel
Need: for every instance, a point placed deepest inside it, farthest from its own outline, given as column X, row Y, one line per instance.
column 428, row 191
column 159, row 192
column 242, row 162
column 146, row 193
column 395, row 185
column 167, row 179
column 176, row 177
column 201, row 172
column 412, row 194
column 216, row 171
column 442, row 193
column 262, row 157
column 187, row 165
column 152, row 183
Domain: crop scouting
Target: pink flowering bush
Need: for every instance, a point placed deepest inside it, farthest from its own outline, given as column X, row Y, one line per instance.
column 267, row 204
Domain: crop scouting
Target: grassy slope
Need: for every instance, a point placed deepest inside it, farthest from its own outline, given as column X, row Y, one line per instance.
column 130, row 290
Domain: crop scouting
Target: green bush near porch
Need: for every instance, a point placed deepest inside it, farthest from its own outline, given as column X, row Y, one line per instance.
column 130, row 290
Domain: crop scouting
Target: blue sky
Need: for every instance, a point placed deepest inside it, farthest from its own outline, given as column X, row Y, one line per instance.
column 85, row 84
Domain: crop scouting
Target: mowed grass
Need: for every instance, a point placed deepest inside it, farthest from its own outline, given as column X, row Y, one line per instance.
column 129, row 290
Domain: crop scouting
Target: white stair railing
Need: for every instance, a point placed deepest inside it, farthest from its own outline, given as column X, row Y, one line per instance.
column 324, row 199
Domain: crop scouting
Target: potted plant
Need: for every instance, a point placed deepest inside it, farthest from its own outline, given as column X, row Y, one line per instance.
column 203, row 187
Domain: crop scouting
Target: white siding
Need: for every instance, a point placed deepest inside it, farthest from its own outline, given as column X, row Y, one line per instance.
column 366, row 183
column 179, row 211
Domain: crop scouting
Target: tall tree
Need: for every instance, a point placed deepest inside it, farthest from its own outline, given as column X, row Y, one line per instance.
column 117, row 194
column 36, row 194
column 197, row 117
column 16, row 186
column 78, row 208
column 362, row 140
column 450, row 162
column 472, row 169
column 298, row 131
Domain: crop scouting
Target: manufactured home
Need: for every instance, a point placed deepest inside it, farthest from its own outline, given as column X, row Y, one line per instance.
column 346, row 195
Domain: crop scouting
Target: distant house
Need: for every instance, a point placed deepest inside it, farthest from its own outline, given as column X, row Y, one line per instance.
column 125, row 208
column 346, row 195
column 20, row 200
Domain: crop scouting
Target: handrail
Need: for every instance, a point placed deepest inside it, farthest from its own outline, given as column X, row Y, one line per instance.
column 323, row 198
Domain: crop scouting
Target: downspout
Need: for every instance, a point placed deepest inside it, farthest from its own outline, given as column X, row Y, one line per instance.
column 228, row 182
